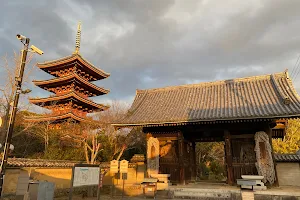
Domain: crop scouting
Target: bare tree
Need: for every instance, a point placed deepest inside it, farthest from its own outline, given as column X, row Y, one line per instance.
column 94, row 135
column 41, row 130
column 91, row 141
column 94, row 149
column 10, row 69
column 92, row 131
column 116, row 138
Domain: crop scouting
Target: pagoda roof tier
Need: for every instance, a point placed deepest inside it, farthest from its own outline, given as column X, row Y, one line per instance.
column 56, row 118
column 68, row 97
column 69, row 62
column 71, row 78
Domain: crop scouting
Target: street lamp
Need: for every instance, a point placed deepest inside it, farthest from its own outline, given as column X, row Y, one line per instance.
column 18, row 81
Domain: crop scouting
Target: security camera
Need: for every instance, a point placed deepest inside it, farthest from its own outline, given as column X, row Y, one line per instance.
column 36, row 50
column 21, row 37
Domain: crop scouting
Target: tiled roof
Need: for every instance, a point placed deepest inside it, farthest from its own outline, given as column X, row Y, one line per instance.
column 54, row 117
column 67, row 96
column 61, row 81
column 257, row 97
column 46, row 66
column 287, row 157
column 25, row 162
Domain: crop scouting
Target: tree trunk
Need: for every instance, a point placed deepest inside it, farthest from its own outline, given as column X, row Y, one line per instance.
column 121, row 153
column 86, row 153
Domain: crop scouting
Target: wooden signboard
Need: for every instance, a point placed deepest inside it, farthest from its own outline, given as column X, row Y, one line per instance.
column 124, row 166
column 114, row 166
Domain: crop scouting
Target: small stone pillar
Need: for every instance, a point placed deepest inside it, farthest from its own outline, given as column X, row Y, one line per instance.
column 22, row 185
column 139, row 159
column 140, row 172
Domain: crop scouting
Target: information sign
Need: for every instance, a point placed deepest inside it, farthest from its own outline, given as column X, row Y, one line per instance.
column 84, row 176
column 114, row 166
column 124, row 166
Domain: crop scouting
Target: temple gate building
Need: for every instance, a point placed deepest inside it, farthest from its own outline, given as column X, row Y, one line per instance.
column 245, row 113
column 71, row 88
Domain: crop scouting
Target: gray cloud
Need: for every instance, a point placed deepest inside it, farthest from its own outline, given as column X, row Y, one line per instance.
column 145, row 44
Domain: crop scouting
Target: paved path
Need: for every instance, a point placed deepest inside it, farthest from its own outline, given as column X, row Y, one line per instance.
column 104, row 197
column 247, row 195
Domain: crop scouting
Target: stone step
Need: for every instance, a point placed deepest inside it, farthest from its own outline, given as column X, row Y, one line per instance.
column 249, row 182
column 254, row 188
column 198, row 193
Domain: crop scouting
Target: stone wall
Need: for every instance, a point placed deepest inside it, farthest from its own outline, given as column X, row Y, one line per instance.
column 288, row 173
column 62, row 176
column 10, row 180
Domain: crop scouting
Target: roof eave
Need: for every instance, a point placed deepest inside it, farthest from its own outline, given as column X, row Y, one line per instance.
column 67, row 95
column 55, row 117
column 233, row 120
column 72, row 58
column 42, row 84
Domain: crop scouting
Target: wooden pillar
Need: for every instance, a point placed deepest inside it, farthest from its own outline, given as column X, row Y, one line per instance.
column 268, row 130
column 194, row 166
column 181, row 159
column 228, row 154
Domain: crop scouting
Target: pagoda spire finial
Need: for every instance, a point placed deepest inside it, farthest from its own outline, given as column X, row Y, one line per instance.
column 78, row 38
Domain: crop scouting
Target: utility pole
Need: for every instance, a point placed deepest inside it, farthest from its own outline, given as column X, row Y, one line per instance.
column 12, row 117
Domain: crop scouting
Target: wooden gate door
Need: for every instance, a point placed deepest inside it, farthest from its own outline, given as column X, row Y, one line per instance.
column 243, row 157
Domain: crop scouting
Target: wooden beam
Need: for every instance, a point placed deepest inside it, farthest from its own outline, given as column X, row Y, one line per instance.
column 228, row 153
column 242, row 136
column 166, row 138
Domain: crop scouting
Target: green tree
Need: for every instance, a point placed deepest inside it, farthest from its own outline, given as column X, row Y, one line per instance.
column 26, row 144
column 291, row 141
column 57, row 151
column 210, row 160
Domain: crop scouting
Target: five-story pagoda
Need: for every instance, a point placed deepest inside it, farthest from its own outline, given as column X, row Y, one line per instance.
column 71, row 86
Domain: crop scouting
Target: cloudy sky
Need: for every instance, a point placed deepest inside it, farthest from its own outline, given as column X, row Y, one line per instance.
column 156, row 43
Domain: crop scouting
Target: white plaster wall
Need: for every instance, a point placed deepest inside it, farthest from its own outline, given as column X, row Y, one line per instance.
column 288, row 174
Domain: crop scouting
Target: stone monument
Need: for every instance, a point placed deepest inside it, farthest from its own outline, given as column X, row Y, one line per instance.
column 152, row 156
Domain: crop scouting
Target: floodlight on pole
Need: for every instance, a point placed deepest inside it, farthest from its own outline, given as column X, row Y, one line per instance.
column 7, row 146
